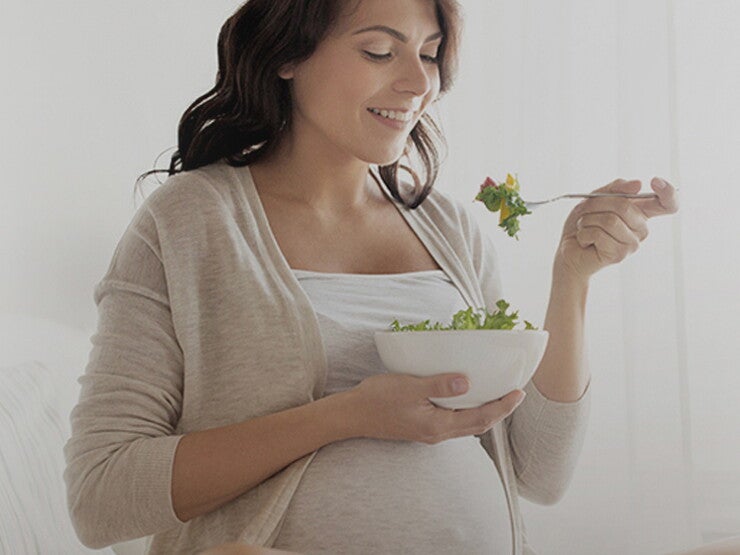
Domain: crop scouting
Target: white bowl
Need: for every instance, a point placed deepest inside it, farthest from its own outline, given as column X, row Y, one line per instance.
column 495, row 361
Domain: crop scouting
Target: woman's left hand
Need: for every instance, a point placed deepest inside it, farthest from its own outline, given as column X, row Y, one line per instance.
column 603, row 231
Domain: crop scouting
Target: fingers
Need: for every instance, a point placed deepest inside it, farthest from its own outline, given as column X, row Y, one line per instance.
column 666, row 203
column 616, row 216
column 446, row 385
column 475, row 421
column 609, row 233
column 481, row 419
column 607, row 249
column 613, row 226
column 621, row 186
column 409, row 415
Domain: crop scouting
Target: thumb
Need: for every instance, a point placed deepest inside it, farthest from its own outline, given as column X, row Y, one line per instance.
column 621, row 186
column 448, row 385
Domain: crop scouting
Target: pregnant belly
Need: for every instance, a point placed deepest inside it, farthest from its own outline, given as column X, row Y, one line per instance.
column 375, row 496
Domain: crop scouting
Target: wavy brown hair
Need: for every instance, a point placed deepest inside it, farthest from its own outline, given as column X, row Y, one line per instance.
column 242, row 117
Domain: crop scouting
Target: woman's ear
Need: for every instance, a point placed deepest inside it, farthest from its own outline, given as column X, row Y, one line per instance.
column 286, row 71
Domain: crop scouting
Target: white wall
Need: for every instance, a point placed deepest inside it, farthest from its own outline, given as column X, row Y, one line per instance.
column 92, row 93
column 569, row 94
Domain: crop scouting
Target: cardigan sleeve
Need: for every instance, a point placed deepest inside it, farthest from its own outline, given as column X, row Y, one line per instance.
column 545, row 436
column 120, row 454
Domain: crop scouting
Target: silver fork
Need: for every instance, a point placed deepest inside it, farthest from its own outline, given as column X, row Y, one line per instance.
column 535, row 204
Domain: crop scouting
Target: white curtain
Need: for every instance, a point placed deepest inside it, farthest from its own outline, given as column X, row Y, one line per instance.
column 571, row 95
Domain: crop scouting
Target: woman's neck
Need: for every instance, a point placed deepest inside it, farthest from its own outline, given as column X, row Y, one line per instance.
column 328, row 184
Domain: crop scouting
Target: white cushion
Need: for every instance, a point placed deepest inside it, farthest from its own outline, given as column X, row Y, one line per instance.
column 40, row 361
column 57, row 345
column 33, row 430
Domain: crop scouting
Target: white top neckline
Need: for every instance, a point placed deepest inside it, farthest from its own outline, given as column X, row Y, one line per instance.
column 298, row 272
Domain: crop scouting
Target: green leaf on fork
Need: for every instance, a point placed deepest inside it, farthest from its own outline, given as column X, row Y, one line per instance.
column 504, row 198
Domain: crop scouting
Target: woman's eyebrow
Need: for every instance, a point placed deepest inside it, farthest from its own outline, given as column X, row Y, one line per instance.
column 396, row 34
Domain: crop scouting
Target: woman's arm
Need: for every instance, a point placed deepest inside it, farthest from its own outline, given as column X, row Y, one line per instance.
column 562, row 374
column 597, row 233
column 547, row 432
column 212, row 467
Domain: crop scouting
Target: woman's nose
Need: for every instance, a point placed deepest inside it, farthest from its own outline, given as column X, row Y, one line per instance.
column 414, row 78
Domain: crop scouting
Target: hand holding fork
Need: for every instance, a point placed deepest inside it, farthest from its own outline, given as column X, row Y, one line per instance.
column 608, row 226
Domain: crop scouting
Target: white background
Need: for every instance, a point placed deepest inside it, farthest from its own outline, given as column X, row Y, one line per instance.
column 569, row 94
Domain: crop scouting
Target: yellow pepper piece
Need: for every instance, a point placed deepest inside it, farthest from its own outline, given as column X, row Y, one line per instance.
column 504, row 212
column 511, row 182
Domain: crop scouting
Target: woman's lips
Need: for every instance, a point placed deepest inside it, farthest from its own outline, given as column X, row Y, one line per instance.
column 395, row 124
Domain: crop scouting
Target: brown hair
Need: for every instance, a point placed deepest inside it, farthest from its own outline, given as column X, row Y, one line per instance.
column 241, row 118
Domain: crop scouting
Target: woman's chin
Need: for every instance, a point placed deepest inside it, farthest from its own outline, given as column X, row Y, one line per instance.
column 384, row 159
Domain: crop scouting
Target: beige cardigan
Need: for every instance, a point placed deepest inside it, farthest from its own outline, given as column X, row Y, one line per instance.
column 202, row 324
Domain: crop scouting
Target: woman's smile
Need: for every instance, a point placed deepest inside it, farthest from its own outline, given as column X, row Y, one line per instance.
column 397, row 120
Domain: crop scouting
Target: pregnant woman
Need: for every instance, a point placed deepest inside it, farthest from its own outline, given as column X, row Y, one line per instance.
column 233, row 393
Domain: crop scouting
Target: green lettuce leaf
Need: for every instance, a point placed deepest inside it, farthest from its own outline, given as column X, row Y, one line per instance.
column 470, row 319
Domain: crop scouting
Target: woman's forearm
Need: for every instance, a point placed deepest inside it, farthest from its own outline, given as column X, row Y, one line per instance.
column 563, row 374
column 212, row 467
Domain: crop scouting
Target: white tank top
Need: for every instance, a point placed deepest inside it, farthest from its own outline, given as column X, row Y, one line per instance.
column 375, row 496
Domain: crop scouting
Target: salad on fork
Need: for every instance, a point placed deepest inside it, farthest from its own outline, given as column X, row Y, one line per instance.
column 505, row 199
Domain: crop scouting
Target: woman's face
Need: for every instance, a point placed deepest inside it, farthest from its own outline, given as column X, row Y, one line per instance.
column 356, row 72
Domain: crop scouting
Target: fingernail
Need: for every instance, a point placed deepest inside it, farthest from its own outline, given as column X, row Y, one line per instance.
column 459, row 385
column 659, row 183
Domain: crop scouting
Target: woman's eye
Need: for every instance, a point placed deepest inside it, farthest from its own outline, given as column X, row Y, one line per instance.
column 428, row 59
column 374, row 56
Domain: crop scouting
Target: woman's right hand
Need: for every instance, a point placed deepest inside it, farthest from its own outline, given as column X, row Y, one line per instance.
column 397, row 406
